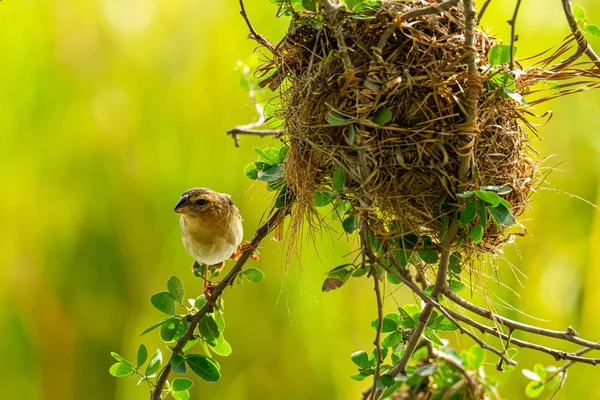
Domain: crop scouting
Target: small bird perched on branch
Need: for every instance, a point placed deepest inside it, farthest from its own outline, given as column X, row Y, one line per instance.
column 211, row 229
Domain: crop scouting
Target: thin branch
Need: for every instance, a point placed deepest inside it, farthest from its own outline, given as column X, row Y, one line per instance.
column 255, row 35
column 582, row 43
column 482, row 11
column 433, row 9
column 513, row 22
column 557, row 354
column 216, row 292
column 569, row 335
column 244, row 130
column 447, row 313
column 333, row 10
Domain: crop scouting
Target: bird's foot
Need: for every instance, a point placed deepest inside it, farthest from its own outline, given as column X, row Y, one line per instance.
column 243, row 247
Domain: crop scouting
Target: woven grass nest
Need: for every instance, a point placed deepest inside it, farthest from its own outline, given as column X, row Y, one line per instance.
column 389, row 109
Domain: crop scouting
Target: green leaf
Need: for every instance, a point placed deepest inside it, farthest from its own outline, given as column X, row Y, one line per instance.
column 339, row 179
column 175, row 287
column 384, row 381
column 391, row 390
column 443, row 324
column 251, row 171
column 578, row 13
column 468, row 213
column 164, row 302
column 221, row 347
column 361, row 359
column 205, row 367
column 456, row 286
column 593, row 30
column 154, row 364
column 433, row 337
column 465, row 195
column 168, row 329
column 350, row 224
column 180, row 384
column 121, row 359
column 476, row 233
column 351, row 135
column 475, row 357
column 482, row 214
column 500, row 54
column 489, row 197
column 189, row 345
column 455, row 261
column 142, row 355
column 358, row 377
column 253, row 274
column 531, row 375
column 209, row 330
column 178, row 364
column 269, row 173
column 121, row 369
column 406, row 320
column 156, row 325
column 268, row 156
column 534, row 389
column 516, row 97
column 321, row 199
column 200, row 301
column 540, row 371
column 512, row 352
column 383, row 116
column 502, row 215
column 180, row 395
column 392, row 340
column 336, row 119
column 339, row 268
column 430, row 257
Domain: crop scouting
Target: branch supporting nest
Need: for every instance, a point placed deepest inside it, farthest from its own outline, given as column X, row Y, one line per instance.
column 275, row 219
column 583, row 47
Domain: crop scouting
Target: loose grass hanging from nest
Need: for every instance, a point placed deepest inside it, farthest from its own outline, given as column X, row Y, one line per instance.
column 384, row 100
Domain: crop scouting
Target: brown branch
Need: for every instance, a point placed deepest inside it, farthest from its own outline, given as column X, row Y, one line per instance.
column 216, row 292
column 513, row 22
column 368, row 252
column 447, row 313
column 556, row 353
column 255, row 35
column 583, row 47
column 568, row 335
column 333, row 10
column 244, row 130
column 482, row 11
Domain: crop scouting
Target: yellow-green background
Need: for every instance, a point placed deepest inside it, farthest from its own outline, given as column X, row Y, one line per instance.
column 110, row 109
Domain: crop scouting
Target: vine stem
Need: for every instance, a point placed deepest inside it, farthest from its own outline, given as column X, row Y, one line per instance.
column 275, row 219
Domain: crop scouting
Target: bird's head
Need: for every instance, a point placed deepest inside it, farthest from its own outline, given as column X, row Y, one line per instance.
column 203, row 202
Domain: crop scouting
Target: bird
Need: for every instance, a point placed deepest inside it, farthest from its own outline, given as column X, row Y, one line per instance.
column 211, row 230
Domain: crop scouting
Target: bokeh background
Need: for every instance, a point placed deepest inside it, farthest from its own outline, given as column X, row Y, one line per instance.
column 110, row 109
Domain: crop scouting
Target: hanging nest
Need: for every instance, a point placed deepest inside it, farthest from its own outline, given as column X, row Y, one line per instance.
column 385, row 101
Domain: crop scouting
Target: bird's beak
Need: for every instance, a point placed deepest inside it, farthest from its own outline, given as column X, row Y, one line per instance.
column 181, row 203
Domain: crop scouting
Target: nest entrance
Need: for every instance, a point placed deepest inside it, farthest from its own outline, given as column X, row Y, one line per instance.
column 386, row 101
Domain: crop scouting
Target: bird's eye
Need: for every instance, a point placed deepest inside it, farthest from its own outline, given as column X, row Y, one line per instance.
column 200, row 202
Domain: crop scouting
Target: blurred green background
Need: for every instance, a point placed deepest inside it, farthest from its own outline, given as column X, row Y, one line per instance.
column 110, row 109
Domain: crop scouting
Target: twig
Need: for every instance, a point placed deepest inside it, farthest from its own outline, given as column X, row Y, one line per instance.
column 261, row 233
column 557, row 354
column 506, row 345
column 333, row 9
column 244, row 130
column 447, row 313
column 513, row 22
column 368, row 252
column 569, row 335
column 255, row 35
column 433, row 9
column 582, row 44
column 482, row 11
